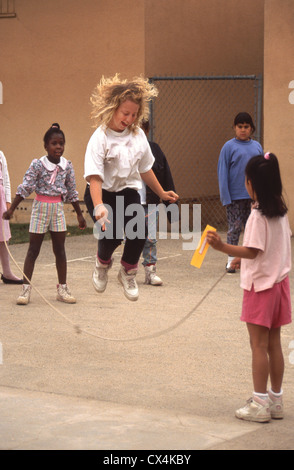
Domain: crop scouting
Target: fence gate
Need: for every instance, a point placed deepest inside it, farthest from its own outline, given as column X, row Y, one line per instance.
column 191, row 119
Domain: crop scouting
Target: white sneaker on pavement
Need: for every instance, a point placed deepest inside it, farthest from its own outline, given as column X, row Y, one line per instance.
column 128, row 281
column 100, row 275
column 256, row 409
column 24, row 297
column 64, row 294
column 276, row 406
column 151, row 276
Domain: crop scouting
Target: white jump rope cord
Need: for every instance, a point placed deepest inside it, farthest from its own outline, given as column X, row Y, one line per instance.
column 79, row 330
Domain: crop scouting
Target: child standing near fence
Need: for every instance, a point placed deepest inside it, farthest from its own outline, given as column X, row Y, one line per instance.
column 232, row 161
column 5, row 201
column 52, row 178
column 265, row 260
column 162, row 172
column 118, row 158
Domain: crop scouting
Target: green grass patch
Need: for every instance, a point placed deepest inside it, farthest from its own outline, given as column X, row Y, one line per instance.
column 20, row 233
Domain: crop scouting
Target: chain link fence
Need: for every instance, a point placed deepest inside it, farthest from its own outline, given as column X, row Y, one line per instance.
column 191, row 119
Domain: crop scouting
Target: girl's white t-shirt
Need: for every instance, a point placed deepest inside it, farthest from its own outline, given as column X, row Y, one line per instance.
column 273, row 262
column 118, row 158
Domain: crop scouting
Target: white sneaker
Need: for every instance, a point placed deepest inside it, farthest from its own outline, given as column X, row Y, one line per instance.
column 276, row 406
column 64, row 295
column 100, row 275
column 151, row 276
column 25, row 295
column 228, row 266
column 256, row 409
column 128, row 281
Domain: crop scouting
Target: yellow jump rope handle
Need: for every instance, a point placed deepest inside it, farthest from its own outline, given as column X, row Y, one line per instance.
column 200, row 252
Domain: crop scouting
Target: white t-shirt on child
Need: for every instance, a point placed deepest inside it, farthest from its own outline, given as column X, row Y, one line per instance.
column 118, row 158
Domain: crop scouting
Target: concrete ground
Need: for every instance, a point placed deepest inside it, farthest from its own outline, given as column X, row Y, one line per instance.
column 165, row 372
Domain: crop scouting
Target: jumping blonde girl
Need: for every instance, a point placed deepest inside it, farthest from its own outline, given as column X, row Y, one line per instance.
column 52, row 178
column 265, row 260
column 118, row 156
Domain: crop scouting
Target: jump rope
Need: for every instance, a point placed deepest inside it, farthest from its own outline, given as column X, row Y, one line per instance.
column 79, row 330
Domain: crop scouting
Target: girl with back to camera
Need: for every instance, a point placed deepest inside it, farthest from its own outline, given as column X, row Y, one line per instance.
column 265, row 260
column 52, row 178
column 232, row 161
column 118, row 155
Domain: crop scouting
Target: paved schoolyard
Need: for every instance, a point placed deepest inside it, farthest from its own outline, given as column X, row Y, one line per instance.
column 107, row 373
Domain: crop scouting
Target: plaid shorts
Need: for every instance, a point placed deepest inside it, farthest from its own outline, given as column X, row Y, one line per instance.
column 47, row 216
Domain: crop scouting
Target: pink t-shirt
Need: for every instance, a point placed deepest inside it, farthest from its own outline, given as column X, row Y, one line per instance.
column 273, row 262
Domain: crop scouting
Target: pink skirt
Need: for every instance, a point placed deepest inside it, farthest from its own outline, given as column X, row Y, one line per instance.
column 6, row 235
column 270, row 308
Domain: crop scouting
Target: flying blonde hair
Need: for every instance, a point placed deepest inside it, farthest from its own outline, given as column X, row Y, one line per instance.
column 110, row 93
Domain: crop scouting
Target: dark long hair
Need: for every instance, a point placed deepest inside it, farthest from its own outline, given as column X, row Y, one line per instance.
column 264, row 173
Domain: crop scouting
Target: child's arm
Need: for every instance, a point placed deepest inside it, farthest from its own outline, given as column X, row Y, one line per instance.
column 81, row 220
column 96, row 189
column 214, row 240
column 9, row 213
column 150, row 179
column 96, row 195
column 235, row 263
column 72, row 194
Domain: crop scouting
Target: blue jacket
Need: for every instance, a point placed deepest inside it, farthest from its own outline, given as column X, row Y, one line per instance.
column 231, row 168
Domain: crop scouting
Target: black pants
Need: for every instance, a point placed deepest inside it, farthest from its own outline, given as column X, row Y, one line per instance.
column 119, row 228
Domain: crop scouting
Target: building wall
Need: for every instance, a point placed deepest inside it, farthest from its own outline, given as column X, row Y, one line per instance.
column 53, row 54
column 278, row 90
column 193, row 119
column 51, row 57
column 209, row 37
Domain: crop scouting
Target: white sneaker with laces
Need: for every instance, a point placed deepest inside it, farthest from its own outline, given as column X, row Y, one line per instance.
column 256, row 409
column 128, row 281
column 25, row 295
column 151, row 276
column 276, row 406
column 64, row 295
column 100, row 275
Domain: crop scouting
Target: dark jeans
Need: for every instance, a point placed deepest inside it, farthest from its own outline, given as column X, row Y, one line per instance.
column 116, row 231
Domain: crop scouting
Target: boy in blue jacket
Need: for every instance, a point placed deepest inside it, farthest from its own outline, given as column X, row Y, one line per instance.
column 232, row 162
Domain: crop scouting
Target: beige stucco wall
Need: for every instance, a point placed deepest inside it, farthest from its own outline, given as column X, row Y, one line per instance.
column 51, row 57
column 53, row 54
column 193, row 120
column 278, row 100
column 194, row 37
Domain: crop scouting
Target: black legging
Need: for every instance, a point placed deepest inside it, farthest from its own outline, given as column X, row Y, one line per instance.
column 106, row 245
